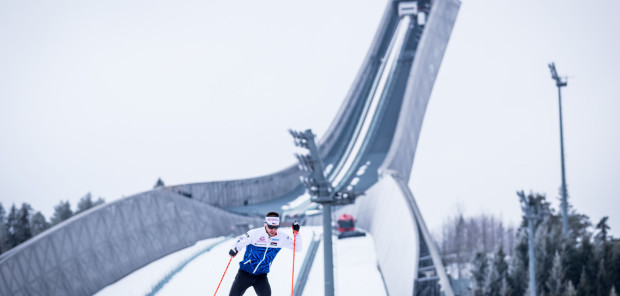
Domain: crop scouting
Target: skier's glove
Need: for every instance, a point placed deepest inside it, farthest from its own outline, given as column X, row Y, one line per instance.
column 296, row 226
column 233, row 252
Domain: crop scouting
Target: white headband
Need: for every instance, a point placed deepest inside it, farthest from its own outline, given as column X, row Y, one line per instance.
column 272, row 220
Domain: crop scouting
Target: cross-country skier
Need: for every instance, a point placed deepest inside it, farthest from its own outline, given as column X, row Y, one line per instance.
column 262, row 245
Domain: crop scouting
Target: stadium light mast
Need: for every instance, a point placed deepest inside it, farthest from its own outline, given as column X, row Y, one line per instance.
column 323, row 193
column 564, row 203
column 533, row 213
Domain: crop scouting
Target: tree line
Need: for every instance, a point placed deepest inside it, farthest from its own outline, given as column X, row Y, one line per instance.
column 493, row 259
column 20, row 224
column 462, row 237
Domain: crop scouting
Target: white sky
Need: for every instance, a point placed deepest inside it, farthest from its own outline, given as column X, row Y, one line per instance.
column 107, row 96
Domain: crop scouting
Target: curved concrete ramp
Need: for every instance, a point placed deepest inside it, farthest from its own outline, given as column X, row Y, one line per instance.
column 385, row 213
column 404, row 247
column 100, row 246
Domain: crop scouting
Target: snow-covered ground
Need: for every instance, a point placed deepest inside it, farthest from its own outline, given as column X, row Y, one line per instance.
column 141, row 281
column 355, row 270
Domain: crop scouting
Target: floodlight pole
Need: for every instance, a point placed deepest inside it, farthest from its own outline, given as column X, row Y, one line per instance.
column 328, row 258
column 564, row 203
column 323, row 193
column 532, row 214
column 324, row 198
column 532, row 258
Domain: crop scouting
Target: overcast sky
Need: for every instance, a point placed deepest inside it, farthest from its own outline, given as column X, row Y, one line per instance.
column 107, row 96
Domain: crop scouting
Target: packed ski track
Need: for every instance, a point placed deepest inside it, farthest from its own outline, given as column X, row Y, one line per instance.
column 196, row 273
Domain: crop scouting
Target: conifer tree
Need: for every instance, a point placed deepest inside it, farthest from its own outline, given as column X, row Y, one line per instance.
column 554, row 282
column 604, row 255
column 616, row 265
column 38, row 223
column 22, row 227
column 11, row 222
column 85, row 203
column 498, row 272
column 578, row 224
column 510, row 241
column 526, row 292
column 589, row 265
column 505, row 289
column 479, row 273
column 159, row 183
column 602, row 284
column 62, row 212
column 99, row 201
column 570, row 260
column 584, row 288
column 547, row 236
column 518, row 275
column 4, row 233
column 603, row 229
column 459, row 244
column 570, row 289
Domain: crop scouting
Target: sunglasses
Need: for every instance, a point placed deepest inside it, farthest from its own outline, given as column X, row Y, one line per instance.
column 273, row 226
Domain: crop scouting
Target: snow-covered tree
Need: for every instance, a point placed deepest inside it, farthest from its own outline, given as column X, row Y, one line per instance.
column 498, row 273
column 589, row 266
column 505, row 289
column 4, row 232
column 479, row 273
column 604, row 255
column 518, row 271
column 38, row 223
column 570, row 289
column 159, row 183
column 462, row 236
column 616, row 265
column 22, row 227
column 85, row 203
column 603, row 229
column 548, row 243
column 554, row 281
column 603, row 284
column 584, row 288
column 11, row 223
column 62, row 212
column 459, row 244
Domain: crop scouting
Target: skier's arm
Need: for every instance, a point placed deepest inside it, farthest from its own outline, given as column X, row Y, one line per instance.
column 288, row 242
column 242, row 241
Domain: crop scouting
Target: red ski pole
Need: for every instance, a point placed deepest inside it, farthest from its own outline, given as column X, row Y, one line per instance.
column 293, row 276
column 218, row 285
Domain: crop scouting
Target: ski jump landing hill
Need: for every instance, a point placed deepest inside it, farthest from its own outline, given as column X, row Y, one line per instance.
column 370, row 145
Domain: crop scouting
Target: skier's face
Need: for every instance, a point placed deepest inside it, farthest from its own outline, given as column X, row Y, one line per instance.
column 271, row 231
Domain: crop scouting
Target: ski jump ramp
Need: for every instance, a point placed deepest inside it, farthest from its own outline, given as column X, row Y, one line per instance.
column 370, row 146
